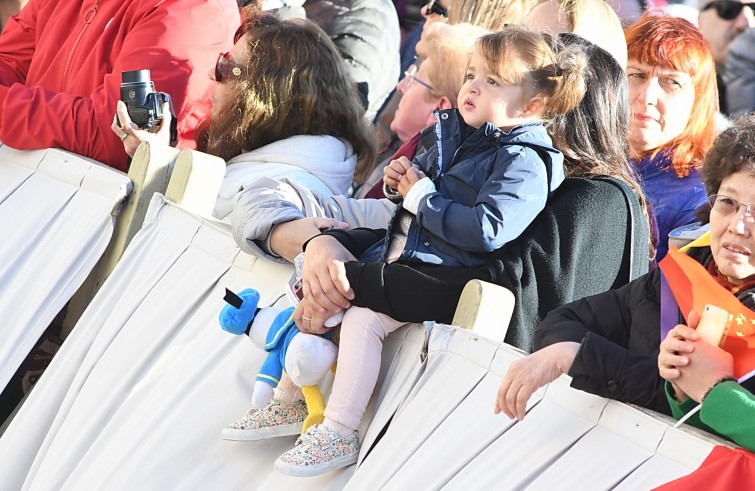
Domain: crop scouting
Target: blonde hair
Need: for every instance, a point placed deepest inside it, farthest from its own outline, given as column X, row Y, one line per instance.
column 597, row 22
column 523, row 57
column 490, row 14
column 449, row 48
column 594, row 20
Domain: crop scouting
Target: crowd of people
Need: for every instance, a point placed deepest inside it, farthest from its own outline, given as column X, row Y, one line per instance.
column 549, row 147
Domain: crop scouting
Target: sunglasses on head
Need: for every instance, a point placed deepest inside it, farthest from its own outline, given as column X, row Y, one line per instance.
column 225, row 69
column 433, row 7
column 728, row 9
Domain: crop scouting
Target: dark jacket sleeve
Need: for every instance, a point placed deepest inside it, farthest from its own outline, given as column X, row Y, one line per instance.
column 608, row 314
column 357, row 240
column 609, row 370
column 618, row 332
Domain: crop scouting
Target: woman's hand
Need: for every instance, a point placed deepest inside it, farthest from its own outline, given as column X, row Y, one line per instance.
column 707, row 365
column 308, row 319
column 675, row 350
column 131, row 135
column 530, row 373
column 287, row 238
column 326, row 288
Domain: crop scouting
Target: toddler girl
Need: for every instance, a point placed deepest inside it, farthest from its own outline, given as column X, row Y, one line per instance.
column 488, row 175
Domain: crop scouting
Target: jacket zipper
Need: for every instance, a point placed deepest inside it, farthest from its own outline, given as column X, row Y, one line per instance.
column 88, row 18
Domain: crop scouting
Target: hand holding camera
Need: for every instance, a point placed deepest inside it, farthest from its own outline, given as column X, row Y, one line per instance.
column 143, row 114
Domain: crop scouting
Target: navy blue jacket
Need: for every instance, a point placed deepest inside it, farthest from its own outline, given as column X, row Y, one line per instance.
column 489, row 188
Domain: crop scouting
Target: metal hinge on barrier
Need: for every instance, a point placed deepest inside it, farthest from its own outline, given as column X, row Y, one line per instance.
column 426, row 343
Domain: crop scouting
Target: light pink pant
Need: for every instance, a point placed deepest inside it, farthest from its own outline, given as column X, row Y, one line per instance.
column 359, row 352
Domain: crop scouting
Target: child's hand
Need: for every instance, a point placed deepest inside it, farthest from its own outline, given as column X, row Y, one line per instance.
column 408, row 180
column 393, row 172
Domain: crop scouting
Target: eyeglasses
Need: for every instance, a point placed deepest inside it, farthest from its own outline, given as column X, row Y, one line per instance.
column 433, row 7
column 225, row 69
column 727, row 206
column 728, row 9
column 410, row 78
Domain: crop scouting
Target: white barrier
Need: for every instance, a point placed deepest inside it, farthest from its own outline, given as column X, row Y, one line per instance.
column 57, row 211
column 138, row 394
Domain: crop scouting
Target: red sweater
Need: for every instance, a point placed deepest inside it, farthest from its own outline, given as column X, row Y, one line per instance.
column 61, row 64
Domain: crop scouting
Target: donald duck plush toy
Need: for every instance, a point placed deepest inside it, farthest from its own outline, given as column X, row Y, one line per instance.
column 306, row 358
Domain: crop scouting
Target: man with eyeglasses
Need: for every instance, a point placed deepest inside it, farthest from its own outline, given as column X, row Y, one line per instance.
column 721, row 21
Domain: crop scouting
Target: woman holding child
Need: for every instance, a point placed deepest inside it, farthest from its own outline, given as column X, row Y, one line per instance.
column 485, row 179
column 547, row 266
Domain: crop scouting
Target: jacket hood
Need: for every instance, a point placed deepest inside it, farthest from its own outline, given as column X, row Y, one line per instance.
column 535, row 136
column 327, row 158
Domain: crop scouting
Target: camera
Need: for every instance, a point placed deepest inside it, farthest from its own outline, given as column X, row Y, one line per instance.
column 145, row 106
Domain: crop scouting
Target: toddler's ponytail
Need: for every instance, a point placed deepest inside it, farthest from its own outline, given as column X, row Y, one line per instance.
column 569, row 87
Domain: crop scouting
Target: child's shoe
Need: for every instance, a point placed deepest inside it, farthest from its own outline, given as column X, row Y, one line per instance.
column 274, row 420
column 319, row 450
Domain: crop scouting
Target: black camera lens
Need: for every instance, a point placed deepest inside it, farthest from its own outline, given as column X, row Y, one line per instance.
column 136, row 76
column 138, row 93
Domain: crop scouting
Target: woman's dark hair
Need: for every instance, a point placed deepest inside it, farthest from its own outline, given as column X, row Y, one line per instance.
column 594, row 137
column 296, row 85
column 732, row 151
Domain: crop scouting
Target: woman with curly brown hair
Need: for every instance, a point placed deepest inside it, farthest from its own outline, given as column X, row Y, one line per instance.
column 283, row 108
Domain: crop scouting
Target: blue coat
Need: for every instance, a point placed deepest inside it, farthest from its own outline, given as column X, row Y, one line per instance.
column 674, row 198
column 490, row 185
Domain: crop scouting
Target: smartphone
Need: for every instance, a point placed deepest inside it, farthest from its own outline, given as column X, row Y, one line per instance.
column 714, row 324
column 295, row 291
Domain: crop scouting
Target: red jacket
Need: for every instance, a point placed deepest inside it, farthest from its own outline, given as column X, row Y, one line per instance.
column 61, row 64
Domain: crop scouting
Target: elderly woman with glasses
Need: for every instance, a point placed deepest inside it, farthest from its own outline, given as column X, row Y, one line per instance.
column 698, row 373
column 488, row 14
column 609, row 343
column 283, row 107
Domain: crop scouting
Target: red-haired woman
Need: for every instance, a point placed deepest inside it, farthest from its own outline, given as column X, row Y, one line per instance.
column 673, row 97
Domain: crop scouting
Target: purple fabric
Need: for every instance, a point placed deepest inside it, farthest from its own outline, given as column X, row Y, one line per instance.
column 669, row 308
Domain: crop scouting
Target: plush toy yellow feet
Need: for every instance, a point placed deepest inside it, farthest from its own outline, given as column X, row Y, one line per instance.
column 315, row 406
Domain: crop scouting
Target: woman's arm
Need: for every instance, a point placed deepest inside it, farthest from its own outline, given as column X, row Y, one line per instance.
column 267, row 203
column 618, row 335
column 698, row 372
column 729, row 410
column 607, row 314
